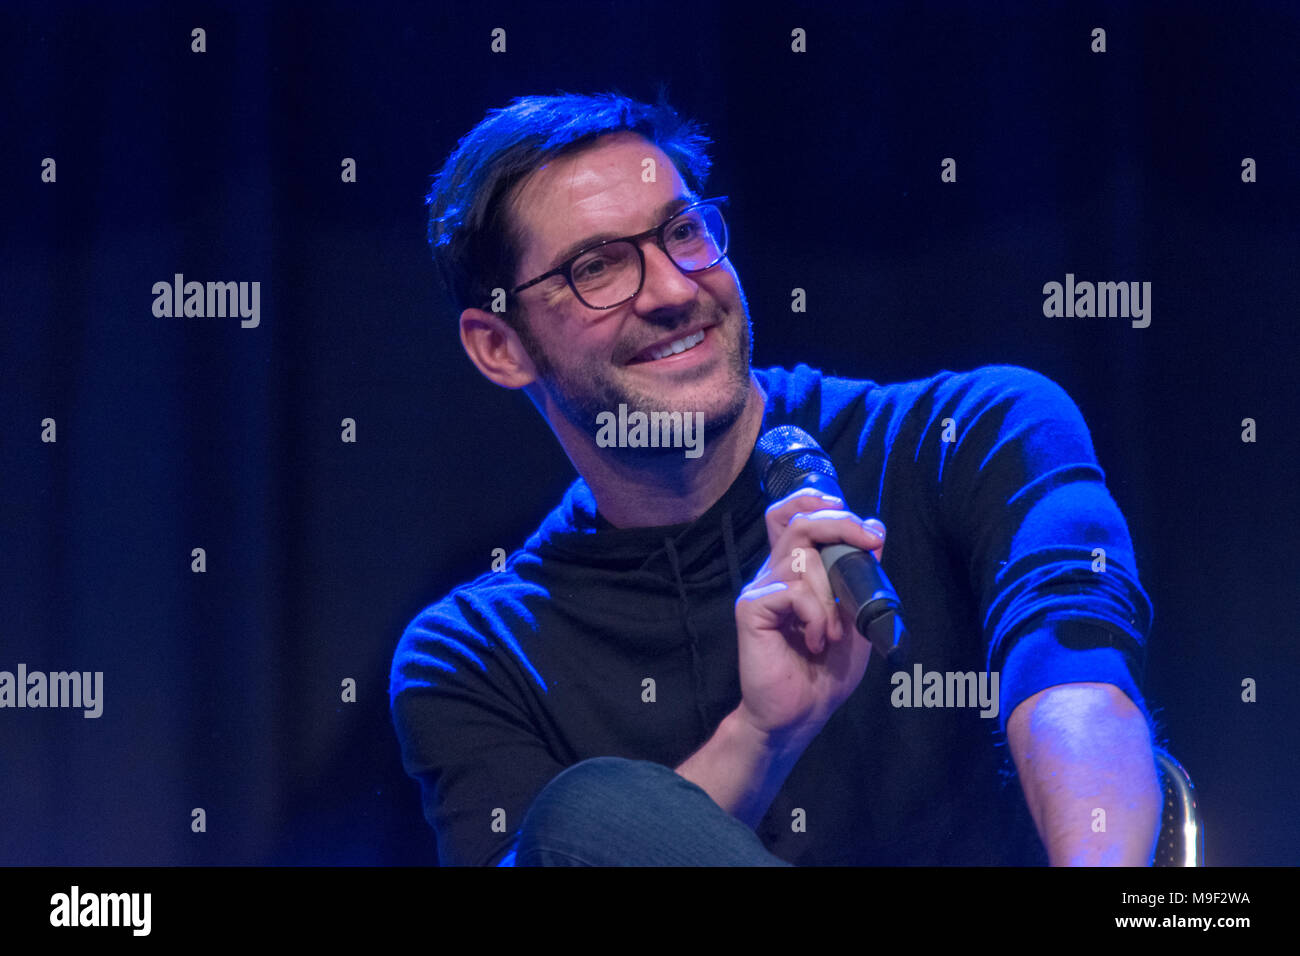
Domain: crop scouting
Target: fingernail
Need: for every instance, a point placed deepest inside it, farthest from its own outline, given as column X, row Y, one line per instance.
column 875, row 527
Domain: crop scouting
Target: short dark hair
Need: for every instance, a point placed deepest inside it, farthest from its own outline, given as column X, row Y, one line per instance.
column 475, row 246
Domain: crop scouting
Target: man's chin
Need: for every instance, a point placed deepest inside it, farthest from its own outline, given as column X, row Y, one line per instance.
column 718, row 396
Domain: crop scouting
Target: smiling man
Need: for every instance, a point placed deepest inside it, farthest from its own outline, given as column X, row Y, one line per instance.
column 659, row 675
column 578, row 360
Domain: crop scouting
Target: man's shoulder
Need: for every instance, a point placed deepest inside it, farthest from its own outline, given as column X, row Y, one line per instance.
column 469, row 624
column 1005, row 398
column 1006, row 380
column 804, row 388
column 826, row 404
column 479, row 603
column 503, row 605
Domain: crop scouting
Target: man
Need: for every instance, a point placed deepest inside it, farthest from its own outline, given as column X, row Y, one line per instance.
column 660, row 675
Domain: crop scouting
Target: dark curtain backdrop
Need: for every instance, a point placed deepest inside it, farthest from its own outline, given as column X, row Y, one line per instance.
column 222, row 690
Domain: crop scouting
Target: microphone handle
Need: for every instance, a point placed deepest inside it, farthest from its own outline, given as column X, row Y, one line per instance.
column 860, row 583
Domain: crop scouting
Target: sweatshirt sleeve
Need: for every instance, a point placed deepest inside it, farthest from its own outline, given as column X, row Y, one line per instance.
column 1049, row 554
column 470, row 744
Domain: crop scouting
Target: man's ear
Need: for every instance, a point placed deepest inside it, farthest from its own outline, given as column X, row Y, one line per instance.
column 494, row 347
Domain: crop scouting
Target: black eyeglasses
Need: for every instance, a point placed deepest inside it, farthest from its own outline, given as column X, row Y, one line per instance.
column 609, row 273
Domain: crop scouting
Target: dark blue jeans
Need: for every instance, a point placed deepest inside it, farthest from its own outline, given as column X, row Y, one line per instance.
column 608, row 811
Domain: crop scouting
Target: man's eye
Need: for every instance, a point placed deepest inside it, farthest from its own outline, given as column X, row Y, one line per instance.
column 592, row 268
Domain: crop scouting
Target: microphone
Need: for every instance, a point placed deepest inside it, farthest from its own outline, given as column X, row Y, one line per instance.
column 789, row 459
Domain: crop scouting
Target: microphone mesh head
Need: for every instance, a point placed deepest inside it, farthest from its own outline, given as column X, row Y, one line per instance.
column 785, row 455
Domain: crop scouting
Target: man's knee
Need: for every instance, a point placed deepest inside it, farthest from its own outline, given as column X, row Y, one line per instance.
column 594, row 787
column 588, row 804
column 609, row 811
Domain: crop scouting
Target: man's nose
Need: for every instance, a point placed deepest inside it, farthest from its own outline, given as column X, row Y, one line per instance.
column 665, row 285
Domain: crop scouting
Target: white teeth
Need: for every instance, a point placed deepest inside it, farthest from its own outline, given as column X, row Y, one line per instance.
column 681, row 345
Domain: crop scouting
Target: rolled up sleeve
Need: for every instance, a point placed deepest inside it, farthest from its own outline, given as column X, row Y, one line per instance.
column 1049, row 553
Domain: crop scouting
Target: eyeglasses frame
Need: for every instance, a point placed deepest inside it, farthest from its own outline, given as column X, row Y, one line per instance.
column 565, row 268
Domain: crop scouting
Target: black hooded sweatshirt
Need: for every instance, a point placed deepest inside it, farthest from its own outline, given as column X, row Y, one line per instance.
column 1008, row 554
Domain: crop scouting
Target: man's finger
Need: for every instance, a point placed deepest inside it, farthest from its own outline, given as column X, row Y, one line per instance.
column 782, row 606
column 827, row 527
column 778, row 515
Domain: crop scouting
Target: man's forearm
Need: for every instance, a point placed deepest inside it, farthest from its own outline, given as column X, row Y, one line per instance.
column 1084, row 756
column 741, row 768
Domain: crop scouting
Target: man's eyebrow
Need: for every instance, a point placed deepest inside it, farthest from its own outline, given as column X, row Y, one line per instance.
column 572, row 249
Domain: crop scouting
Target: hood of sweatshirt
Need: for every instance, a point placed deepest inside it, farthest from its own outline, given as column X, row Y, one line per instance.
column 676, row 557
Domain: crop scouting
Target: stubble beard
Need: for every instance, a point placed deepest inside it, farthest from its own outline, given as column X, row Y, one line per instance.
column 582, row 392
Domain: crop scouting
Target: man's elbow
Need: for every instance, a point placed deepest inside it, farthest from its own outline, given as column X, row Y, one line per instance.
column 1087, row 766
column 1079, row 718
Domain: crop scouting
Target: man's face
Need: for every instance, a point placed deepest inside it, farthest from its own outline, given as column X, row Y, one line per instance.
column 589, row 361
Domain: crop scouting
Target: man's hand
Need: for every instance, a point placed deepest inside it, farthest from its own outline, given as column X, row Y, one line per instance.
column 800, row 654
column 800, row 657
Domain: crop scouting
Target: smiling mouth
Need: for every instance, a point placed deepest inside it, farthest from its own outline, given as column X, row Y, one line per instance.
column 675, row 347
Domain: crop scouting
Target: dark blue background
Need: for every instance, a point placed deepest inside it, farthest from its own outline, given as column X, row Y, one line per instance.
column 223, row 689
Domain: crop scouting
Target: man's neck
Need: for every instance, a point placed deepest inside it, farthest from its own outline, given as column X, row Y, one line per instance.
column 670, row 489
